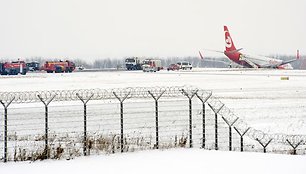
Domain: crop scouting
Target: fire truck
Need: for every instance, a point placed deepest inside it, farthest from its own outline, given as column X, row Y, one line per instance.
column 13, row 68
column 151, row 65
column 58, row 66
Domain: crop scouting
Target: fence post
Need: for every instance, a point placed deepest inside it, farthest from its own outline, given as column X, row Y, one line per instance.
column 294, row 146
column 203, row 117
column 156, row 117
column 85, row 122
column 46, row 103
column 241, row 137
column 216, row 123
column 264, row 145
column 121, row 117
column 5, row 106
column 190, row 114
column 230, row 130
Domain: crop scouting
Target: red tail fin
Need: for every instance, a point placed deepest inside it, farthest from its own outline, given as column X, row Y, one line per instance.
column 297, row 54
column 229, row 44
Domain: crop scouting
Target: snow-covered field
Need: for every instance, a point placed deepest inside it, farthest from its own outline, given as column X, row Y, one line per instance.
column 259, row 97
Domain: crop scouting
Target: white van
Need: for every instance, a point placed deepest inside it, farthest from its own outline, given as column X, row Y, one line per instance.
column 185, row 65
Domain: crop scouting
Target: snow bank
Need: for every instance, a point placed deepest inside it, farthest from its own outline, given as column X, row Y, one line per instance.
column 168, row 161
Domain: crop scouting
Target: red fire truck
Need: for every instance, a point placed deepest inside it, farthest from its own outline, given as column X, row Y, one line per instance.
column 13, row 68
column 151, row 65
column 58, row 66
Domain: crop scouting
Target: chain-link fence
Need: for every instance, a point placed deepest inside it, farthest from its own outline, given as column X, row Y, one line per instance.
column 64, row 124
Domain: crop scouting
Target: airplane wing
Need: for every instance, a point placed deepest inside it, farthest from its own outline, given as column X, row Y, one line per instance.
column 288, row 61
column 217, row 51
column 292, row 60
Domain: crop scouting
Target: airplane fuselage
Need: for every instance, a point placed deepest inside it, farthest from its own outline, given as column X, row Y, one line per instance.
column 236, row 57
column 260, row 61
column 264, row 62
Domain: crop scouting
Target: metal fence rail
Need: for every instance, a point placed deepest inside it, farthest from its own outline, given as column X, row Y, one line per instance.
column 64, row 124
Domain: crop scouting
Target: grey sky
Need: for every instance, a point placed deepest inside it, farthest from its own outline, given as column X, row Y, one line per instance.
column 118, row 28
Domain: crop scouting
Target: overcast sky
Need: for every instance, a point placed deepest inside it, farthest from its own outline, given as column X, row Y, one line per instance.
column 91, row 29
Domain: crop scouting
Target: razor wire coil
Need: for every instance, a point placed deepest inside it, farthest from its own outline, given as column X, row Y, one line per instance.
column 145, row 93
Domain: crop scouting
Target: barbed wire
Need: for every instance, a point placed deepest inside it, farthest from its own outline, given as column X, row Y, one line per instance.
column 93, row 94
column 252, row 132
column 143, row 93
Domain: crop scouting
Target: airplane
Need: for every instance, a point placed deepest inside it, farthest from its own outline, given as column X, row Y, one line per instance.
column 251, row 61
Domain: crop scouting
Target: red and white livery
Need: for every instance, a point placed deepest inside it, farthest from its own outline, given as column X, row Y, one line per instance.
column 251, row 61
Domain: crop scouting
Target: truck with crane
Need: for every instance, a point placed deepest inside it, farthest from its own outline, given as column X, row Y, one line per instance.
column 133, row 63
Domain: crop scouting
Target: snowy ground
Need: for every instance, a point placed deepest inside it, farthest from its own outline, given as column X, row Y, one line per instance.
column 260, row 97
column 257, row 96
column 177, row 161
column 218, row 80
